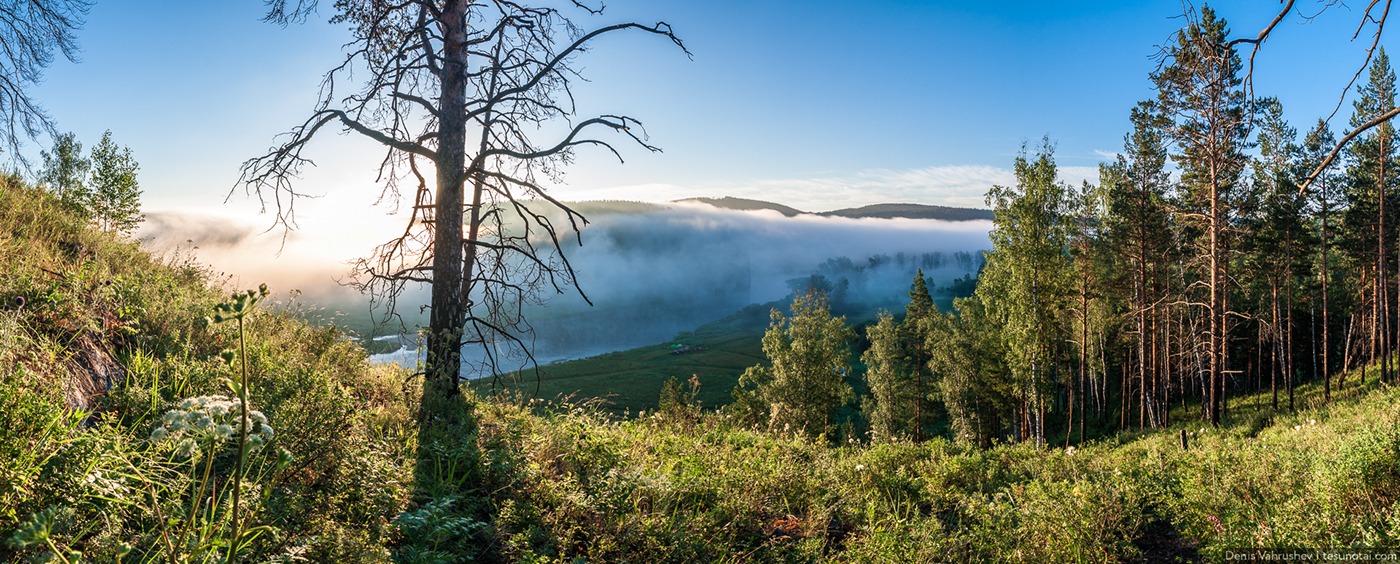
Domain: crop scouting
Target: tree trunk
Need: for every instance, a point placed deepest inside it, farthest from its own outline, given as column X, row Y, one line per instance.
column 1382, row 302
column 1326, row 273
column 1217, row 306
column 448, row 314
column 1288, row 344
column 1274, row 350
column 1123, row 398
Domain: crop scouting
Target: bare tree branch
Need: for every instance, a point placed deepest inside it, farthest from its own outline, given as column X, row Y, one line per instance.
column 430, row 74
column 1342, row 144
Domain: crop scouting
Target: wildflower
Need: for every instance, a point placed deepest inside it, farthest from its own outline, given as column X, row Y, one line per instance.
column 210, row 421
column 1069, row 451
column 860, row 468
column 1215, row 522
column 1312, row 421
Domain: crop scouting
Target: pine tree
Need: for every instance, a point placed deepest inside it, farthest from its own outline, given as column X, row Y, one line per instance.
column 1274, row 239
column 1200, row 96
column 1316, row 145
column 1139, row 230
column 1370, row 178
column 897, row 370
column 968, row 355
column 1092, row 275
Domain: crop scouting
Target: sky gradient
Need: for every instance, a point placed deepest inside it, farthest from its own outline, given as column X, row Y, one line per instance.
column 817, row 105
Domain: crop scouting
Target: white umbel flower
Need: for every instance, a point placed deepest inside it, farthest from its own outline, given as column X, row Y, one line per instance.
column 209, row 422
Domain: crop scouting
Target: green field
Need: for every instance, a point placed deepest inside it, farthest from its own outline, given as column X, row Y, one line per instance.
column 631, row 380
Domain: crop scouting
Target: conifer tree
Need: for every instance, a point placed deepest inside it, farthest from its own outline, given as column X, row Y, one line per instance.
column 1139, row 231
column 1370, row 176
column 1092, row 274
column 1273, row 241
column 968, row 355
column 1316, row 145
column 897, row 370
column 1199, row 94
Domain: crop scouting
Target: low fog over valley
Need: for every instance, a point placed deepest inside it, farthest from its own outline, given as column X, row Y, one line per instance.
column 650, row 270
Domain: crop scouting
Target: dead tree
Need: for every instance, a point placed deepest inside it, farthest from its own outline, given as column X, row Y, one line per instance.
column 457, row 90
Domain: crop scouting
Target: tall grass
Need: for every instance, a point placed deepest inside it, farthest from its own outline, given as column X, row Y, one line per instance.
column 96, row 485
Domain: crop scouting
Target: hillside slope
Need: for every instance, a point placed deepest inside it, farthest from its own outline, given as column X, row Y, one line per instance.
column 104, row 351
column 683, row 485
column 744, row 204
column 913, row 211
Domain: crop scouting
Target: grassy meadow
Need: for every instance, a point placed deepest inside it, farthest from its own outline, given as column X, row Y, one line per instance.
column 347, row 474
column 630, row 381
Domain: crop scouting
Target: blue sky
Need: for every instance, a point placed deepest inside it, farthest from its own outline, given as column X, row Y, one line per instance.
column 778, row 94
column 815, row 104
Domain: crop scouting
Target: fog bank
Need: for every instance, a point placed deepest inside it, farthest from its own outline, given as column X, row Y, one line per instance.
column 651, row 270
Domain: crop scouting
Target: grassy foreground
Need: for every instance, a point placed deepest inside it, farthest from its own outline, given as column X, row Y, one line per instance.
column 349, row 477
column 684, row 487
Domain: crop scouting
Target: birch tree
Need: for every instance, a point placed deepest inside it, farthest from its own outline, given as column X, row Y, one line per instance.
column 1025, row 283
column 809, row 359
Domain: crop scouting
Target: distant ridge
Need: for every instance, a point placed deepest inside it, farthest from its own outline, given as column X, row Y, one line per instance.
column 913, row 211
column 732, row 203
column 882, row 211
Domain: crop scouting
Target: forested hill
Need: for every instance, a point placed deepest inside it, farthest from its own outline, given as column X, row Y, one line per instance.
column 884, row 211
column 913, row 211
column 732, row 203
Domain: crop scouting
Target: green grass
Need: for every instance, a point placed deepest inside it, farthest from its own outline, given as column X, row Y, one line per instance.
column 626, row 382
column 630, row 381
column 92, row 484
column 694, row 488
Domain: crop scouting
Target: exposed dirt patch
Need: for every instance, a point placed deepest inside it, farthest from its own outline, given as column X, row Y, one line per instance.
column 1161, row 543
